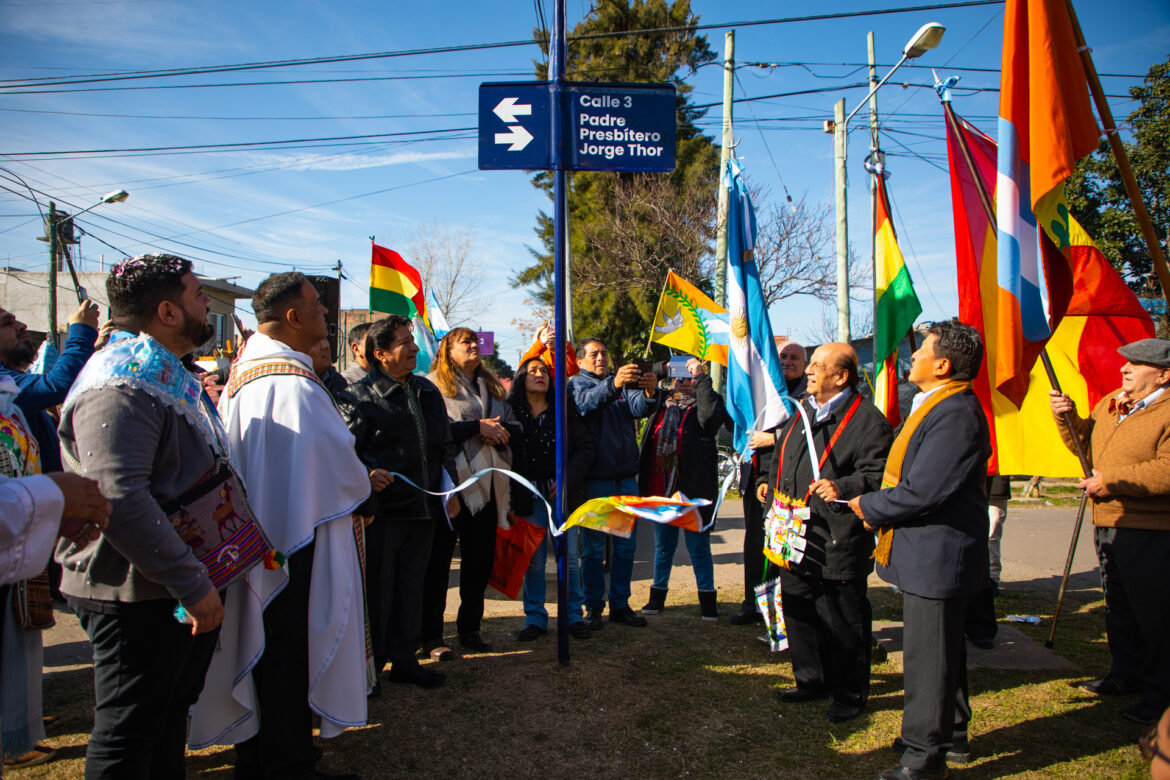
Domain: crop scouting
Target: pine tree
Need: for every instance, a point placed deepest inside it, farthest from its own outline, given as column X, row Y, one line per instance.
column 627, row 230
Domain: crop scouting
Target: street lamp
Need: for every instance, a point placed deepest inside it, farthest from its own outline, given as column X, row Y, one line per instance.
column 54, row 223
column 928, row 37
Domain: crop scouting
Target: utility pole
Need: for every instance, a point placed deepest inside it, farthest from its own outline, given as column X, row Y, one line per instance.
column 54, row 248
column 878, row 159
column 841, row 205
column 717, row 377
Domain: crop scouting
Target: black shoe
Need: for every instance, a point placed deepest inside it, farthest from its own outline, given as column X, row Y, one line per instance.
column 530, row 633
column 960, row 752
column 626, row 616
column 423, row 678
column 474, row 641
column 839, row 713
column 906, row 773
column 1109, row 686
column 580, row 630
column 1143, row 713
column 982, row 643
column 746, row 617
column 593, row 618
column 376, row 691
column 796, row 694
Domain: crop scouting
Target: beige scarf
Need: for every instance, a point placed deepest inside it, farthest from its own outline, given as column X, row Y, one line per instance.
column 893, row 472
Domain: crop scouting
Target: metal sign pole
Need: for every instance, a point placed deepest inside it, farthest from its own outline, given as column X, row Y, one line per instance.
column 557, row 52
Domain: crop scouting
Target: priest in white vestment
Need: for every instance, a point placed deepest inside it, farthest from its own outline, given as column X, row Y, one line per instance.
column 293, row 643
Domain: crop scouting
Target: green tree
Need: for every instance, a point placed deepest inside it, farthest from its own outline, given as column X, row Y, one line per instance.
column 627, row 230
column 1097, row 194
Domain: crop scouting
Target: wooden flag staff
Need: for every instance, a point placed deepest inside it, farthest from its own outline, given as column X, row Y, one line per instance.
column 1067, row 417
column 1121, row 158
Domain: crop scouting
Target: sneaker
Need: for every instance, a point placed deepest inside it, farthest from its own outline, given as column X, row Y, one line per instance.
column 626, row 616
column 580, row 630
column 530, row 633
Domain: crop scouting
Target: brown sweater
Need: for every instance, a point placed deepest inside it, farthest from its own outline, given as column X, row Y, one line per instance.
column 1133, row 456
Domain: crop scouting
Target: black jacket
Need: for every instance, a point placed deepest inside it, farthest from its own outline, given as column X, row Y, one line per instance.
column 698, row 459
column 938, row 509
column 538, row 463
column 838, row 546
column 378, row 415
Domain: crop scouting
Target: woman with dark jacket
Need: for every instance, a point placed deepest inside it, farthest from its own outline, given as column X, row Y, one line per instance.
column 482, row 426
column 678, row 453
column 534, row 457
column 399, row 423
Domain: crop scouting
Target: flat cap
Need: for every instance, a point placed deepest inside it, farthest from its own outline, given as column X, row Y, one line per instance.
column 1152, row 352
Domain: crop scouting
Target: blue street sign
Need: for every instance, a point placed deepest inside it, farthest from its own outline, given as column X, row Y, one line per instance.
column 622, row 127
column 515, row 126
column 608, row 127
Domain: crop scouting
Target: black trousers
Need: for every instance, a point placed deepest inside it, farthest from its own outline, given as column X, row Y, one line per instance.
column 1135, row 571
column 753, row 543
column 477, row 554
column 284, row 746
column 829, row 625
column 147, row 672
column 397, row 552
column 934, row 661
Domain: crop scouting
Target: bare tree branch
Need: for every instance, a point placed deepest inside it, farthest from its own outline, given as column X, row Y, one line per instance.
column 450, row 268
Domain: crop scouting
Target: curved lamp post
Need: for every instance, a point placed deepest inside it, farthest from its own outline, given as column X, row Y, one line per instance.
column 928, row 37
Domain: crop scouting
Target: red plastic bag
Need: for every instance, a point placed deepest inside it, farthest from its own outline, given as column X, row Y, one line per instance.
column 514, row 549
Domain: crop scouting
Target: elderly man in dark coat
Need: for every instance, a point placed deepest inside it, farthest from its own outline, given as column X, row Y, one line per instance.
column 826, row 612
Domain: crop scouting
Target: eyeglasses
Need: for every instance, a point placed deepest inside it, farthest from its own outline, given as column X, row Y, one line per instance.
column 1148, row 743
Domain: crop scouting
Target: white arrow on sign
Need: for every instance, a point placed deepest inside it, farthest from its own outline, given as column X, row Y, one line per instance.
column 508, row 109
column 517, row 136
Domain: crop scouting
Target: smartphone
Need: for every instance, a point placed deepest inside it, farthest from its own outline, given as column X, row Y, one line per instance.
column 677, row 367
column 642, row 363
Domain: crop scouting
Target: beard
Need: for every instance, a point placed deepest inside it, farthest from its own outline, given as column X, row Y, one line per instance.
column 20, row 355
column 197, row 331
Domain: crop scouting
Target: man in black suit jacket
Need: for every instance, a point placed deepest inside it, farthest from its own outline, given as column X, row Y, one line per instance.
column 934, row 502
column 826, row 612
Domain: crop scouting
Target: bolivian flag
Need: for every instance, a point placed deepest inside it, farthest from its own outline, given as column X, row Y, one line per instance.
column 395, row 285
column 896, row 303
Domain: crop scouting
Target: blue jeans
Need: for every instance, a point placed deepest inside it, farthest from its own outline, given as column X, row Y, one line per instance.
column 699, row 547
column 621, row 564
column 535, row 584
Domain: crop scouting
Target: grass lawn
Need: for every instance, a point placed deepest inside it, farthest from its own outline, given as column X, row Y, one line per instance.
column 683, row 698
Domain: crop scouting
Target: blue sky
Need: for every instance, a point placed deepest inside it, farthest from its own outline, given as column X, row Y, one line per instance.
column 250, row 211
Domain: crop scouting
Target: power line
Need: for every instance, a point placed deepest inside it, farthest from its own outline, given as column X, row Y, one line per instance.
column 264, row 65
column 241, row 144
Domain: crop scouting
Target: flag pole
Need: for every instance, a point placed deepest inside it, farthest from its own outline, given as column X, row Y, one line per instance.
column 1121, row 158
column 650, row 340
column 1067, row 417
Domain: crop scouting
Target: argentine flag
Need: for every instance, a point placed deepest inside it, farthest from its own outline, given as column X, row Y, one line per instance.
column 755, row 385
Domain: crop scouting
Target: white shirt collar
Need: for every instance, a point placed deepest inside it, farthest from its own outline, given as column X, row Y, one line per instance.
column 1142, row 404
column 920, row 399
column 831, row 405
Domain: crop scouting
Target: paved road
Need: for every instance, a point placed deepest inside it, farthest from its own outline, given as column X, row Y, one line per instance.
column 1034, row 549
